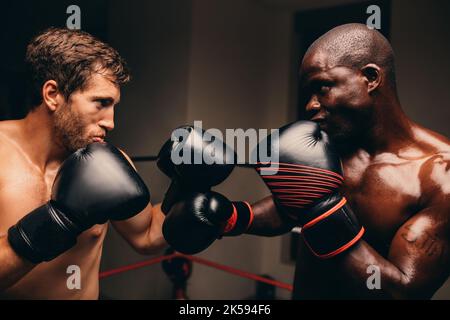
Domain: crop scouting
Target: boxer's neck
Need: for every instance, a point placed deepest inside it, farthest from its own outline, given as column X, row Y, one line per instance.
column 39, row 140
column 390, row 129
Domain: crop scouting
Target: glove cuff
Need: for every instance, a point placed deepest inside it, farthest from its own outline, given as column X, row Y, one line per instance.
column 240, row 220
column 42, row 235
column 332, row 232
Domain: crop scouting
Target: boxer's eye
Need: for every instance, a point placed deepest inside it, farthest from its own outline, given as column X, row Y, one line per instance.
column 324, row 89
column 104, row 103
column 320, row 87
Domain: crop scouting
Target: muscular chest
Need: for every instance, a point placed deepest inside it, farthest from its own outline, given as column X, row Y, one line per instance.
column 383, row 196
column 23, row 189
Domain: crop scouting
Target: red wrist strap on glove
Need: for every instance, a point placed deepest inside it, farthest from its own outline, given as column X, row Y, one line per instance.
column 240, row 220
column 332, row 232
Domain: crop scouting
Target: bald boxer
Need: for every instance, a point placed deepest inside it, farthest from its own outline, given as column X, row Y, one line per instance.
column 397, row 175
column 395, row 179
column 75, row 84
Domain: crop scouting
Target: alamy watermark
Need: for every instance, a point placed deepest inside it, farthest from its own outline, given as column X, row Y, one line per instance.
column 250, row 147
column 74, row 280
column 374, row 20
column 373, row 282
column 73, row 22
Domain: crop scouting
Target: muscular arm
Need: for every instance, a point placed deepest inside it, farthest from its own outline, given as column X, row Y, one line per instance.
column 418, row 261
column 267, row 221
column 12, row 267
column 144, row 231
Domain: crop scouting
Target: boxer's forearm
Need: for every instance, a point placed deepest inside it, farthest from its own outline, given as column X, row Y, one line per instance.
column 371, row 276
column 155, row 236
column 143, row 231
column 267, row 221
column 12, row 267
column 416, row 266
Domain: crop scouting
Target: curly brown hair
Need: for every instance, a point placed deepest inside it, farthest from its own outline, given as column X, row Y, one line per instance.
column 69, row 57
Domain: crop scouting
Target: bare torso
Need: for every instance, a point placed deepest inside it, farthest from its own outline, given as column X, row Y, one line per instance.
column 24, row 187
column 384, row 191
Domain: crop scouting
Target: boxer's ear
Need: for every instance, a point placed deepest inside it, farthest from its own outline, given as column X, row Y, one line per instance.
column 51, row 96
column 373, row 74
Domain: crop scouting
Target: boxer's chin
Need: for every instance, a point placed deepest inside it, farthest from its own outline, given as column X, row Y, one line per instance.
column 336, row 133
column 76, row 143
column 340, row 140
column 341, row 136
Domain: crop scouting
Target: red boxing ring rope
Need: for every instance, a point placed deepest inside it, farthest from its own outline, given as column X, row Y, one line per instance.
column 208, row 263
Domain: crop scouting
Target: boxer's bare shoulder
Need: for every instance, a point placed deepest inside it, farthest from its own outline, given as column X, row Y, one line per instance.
column 7, row 148
column 435, row 171
column 9, row 139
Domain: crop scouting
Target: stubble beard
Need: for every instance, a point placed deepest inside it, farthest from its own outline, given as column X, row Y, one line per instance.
column 69, row 129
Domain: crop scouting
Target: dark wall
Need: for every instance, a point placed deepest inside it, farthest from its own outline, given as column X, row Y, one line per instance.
column 311, row 24
column 21, row 20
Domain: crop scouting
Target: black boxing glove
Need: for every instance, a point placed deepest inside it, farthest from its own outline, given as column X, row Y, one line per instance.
column 305, row 184
column 204, row 161
column 93, row 185
column 195, row 222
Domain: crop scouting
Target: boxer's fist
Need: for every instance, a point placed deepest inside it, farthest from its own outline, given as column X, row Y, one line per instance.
column 193, row 224
column 195, row 161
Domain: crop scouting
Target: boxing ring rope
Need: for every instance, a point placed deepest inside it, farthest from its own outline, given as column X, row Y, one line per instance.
column 237, row 272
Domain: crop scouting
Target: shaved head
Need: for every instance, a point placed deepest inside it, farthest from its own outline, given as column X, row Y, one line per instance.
column 348, row 83
column 354, row 45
